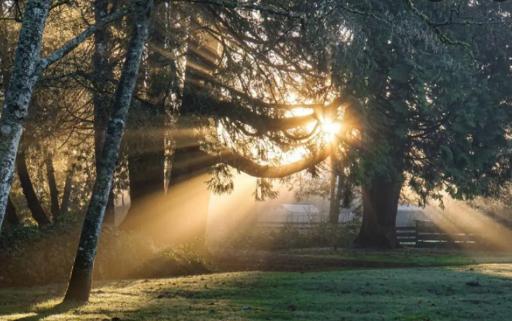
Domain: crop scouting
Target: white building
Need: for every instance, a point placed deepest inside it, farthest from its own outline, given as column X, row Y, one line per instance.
column 407, row 215
column 291, row 213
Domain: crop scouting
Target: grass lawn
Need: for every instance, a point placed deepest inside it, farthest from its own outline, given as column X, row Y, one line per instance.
column 321, row 259
column 477, row 292
column 420, row 257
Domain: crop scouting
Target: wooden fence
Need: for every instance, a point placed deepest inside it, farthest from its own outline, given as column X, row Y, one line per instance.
column 295, row 225
column 426, row 234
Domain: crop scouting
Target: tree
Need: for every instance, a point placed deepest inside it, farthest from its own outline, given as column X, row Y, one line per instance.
column 81, row 276
column 412, row 123
column 38, row 213
column 421, row 103
column 102, row 75
column 52, row 186
column 19, row 92
column 204, row 108
column 149, row 121
column 11, row 216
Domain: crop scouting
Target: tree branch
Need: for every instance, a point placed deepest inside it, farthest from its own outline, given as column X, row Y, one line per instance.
column 74, row 42
column 247, row 6
column 443, row 37
column 252, row 168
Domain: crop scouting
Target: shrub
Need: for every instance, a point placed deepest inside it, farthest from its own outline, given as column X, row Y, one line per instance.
column 31, row 256
column 290, row 236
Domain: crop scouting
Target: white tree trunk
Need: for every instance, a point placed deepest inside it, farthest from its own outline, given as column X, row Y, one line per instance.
column 81, row 276
column 19, row 92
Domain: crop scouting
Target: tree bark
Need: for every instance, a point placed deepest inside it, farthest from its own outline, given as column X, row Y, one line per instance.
column 5, row 63
column 12, row 215
column 147, row 126
column 102, row 70
column 335, row 193
column 336, row 200
column 81, row 276
column 52, row 185
column 68, row 187
column 33, row 203
column 146, row 167
column 380, row 203
column 19, row 92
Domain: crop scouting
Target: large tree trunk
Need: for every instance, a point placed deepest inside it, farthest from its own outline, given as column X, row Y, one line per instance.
column 190, row 163
column 150, row 212
column 380, row 202
column 33, row 203
column 52, row 185
column 145, row 141
column 81, row 276
column 148, row 125
column 146, row 168
column 19, row 92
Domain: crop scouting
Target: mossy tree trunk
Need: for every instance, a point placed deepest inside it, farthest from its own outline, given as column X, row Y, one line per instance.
column 80, row 282
column 19, row 92
column 380, row 203
column 102, row 70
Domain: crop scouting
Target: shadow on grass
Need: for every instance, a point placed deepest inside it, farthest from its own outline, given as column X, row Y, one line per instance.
column 362, row 294
column 57, row 309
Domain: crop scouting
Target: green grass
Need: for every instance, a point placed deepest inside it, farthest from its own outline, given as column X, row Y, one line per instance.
column 413, row 294
column 413, row 257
